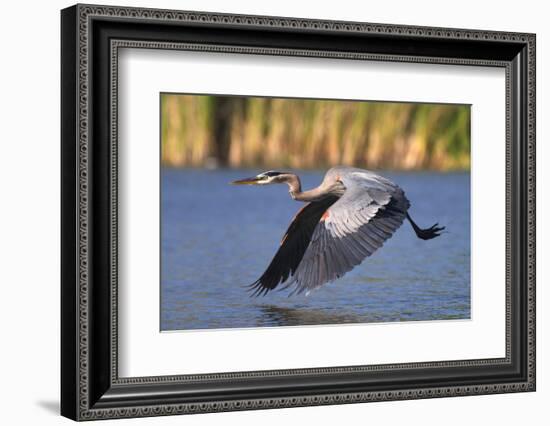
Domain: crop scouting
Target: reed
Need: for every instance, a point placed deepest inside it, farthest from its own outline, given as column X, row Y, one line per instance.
column 199, row 130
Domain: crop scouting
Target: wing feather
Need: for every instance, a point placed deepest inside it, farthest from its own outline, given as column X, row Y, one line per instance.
column 368, row 213
column 293, row 246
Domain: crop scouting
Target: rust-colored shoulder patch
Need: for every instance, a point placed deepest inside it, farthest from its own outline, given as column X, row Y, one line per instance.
column 325, row 216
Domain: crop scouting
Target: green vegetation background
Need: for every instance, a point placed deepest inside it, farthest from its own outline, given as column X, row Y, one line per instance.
column 200, row 130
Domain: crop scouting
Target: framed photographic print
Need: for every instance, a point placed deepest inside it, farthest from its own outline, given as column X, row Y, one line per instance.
column 263, row 212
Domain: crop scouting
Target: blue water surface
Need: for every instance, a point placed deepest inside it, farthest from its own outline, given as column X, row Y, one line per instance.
column 217, row 238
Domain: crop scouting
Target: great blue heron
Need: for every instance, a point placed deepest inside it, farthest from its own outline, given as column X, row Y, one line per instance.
column 347, row 218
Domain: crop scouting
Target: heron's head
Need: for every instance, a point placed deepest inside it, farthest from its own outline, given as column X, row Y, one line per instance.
column 264, row 178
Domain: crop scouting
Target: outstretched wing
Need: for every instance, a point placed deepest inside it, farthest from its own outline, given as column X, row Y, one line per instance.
column 353, row 228
column 293, row 246
column 330, row 237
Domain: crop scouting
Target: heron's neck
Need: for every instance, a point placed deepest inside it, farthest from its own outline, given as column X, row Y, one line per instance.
column 295, row 190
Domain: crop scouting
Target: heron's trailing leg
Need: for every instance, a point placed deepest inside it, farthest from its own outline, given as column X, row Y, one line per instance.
column 428, row 233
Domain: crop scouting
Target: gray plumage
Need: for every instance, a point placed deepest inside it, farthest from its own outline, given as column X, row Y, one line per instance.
column 347, row 218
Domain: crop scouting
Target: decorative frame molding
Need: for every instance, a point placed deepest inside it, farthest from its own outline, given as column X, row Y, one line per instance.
column 91, row 388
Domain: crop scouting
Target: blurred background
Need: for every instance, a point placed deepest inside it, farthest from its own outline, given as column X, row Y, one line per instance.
column 216, row 238
column 239, row 132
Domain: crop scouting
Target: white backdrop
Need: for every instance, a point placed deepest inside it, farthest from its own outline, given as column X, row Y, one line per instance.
column 29, row 218
column 143, row 351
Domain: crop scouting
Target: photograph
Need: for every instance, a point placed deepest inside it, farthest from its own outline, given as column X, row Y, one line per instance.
column 280, row 212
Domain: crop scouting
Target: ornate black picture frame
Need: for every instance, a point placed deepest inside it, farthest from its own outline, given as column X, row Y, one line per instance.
column 91, row 36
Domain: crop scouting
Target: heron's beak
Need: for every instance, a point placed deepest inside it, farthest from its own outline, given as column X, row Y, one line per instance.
column 248, row 181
